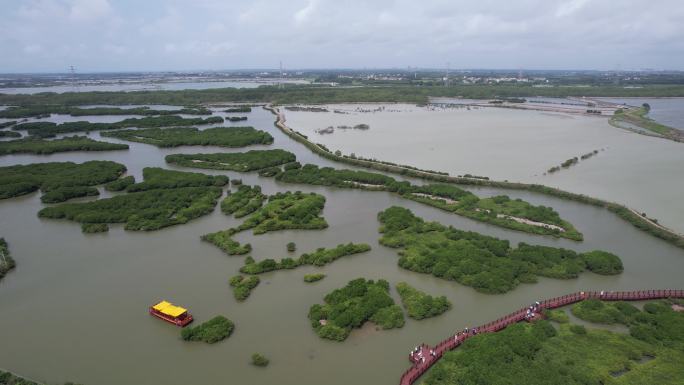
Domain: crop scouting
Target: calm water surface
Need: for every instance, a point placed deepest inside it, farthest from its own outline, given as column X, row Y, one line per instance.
column 76, row 306
column 643, row 172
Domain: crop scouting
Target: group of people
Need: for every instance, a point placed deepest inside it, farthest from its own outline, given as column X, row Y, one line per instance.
column 532, row 310
column 417, row 354
column 466, row 332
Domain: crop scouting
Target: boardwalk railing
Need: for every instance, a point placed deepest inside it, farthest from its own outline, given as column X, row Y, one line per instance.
column 430, row 355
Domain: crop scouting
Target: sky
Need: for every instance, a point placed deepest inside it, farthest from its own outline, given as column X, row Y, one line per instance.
column 151, row 35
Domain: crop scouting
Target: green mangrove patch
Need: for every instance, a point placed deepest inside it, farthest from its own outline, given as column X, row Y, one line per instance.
column 6, row 261
column 120, row 184
column 212, row 331
column 537, row 354
column 309, row 278
column 50, row 129
column 237, row 161
column 259, row 360
column 284, row 211
column 487, row 264
column 419, row 304
column 59, row 181
column 243, row 286
column 320, row 257
column 350, row 307
column 44, row 147
column 191, row 136
column 164, row 198
column 244, row 201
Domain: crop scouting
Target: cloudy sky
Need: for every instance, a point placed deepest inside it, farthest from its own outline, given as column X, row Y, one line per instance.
column 129, row 35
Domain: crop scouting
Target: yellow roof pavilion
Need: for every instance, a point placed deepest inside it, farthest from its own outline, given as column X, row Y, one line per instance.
column 169, row 309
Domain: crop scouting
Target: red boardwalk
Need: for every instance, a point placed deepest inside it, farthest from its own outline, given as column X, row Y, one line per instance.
column 424, row 356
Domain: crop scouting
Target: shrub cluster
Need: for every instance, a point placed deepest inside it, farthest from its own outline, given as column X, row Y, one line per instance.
column 259, row 360
column 350, row 307
column 419, row 304
column 50, row 129
column 320, row 257
column 242, row 286
column 238, row 109
column 234, row 161
column 59, row 181
column 120, row 184
column 212, row 331
column 6, row 261
column 594, row 310
column 313, row 277
column 486, row 263
column 191, row 136
column 244, row 201
column 164, row 198
column 69, row 143
column 284, row 211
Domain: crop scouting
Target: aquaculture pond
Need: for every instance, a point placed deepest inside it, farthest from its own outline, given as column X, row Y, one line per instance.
column 642, row 172
column 75, row 307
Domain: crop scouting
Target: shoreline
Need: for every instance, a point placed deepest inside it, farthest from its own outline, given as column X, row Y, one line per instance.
column 624, row 212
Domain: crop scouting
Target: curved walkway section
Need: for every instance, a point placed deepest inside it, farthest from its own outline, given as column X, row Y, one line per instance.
column 424, row 356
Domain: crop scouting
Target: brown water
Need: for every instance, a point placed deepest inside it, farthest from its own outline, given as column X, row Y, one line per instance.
column 76, row 306
column 643, row 172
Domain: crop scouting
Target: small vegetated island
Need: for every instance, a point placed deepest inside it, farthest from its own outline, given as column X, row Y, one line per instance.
column 537, row 353
column 191, row 136
column 238, row 109
column 259, row 360
column 59, row 181
column 164, row 198
column 350, row 307
column 237, row 161
column 284, row 211
column 500, row 210
column 51, row 129
column 6, row 261
column 309, row 278
column 41, row 110
column 44, row 147
column 485, row 263
column 419, row 304
column 243, row 286
column 215, row 330
column 320, row 257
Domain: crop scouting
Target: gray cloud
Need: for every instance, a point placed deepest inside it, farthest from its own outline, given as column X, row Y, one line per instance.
column 100, row 35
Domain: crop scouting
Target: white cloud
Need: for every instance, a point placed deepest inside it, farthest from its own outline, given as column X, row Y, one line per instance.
column 185, row 34
column 304, row 14
column 89, row 10
column 33, row 49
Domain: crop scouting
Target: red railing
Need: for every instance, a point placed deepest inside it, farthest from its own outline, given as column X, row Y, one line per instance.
column 421, row 366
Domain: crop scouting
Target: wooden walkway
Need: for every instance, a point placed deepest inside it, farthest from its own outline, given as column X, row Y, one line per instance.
column 426, row 356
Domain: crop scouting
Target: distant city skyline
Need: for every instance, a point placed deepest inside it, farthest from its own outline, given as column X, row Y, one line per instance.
column 206, row 35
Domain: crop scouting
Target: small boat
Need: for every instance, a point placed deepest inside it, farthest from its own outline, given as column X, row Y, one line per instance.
column 171, row 313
